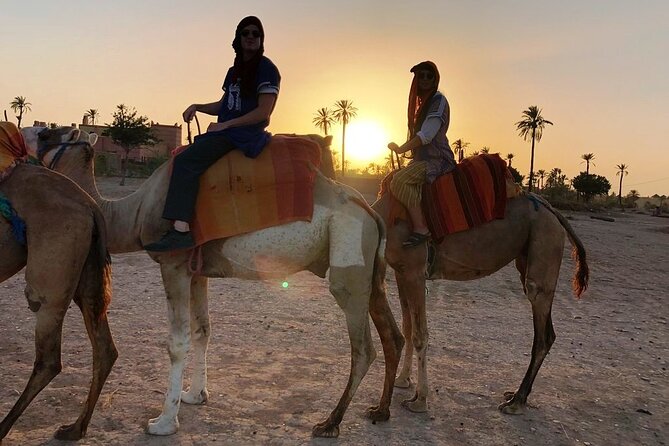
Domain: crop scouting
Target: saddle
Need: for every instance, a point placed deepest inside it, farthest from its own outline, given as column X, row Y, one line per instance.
column 13, row 148
column 474, row 193
column 239, row 195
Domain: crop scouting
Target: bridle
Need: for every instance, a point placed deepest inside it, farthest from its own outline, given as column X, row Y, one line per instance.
column 46, row 147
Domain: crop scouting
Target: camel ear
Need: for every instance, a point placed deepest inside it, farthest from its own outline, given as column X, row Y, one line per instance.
column 73, row 136
column 92, row 139
column 328, row 140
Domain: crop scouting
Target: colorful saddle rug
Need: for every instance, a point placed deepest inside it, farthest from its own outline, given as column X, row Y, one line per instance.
column 238, row 195
column 473, row 194
column 13, row 148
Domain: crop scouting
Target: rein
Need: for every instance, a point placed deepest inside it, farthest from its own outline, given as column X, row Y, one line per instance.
column 41, row 152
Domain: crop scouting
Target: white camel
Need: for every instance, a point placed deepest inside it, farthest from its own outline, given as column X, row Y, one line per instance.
column 344, row 236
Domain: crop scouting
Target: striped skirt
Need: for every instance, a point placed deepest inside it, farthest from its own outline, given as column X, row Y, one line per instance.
column 407, row 184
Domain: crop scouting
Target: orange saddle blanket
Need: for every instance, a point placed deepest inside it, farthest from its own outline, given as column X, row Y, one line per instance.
column 238, row 195
column 13, row 148
column 473, row 194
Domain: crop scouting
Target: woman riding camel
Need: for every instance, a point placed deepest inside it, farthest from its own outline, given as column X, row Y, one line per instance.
column 251, row 88
column 428, row 119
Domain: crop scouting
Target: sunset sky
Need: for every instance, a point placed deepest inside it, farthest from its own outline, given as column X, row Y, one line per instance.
column 599, row 69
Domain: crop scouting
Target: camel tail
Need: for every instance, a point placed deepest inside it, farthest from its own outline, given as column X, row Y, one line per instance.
column 582, row 272
column 95, row 284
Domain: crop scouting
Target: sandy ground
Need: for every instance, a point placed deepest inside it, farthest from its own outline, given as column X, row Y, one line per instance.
column 279, row 358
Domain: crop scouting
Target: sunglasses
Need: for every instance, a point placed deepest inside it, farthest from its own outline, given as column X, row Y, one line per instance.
column 250, row 33
column 425, row 75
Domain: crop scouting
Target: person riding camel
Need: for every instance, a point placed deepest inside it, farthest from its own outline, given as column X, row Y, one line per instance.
column 251, row 89
column 428, row 119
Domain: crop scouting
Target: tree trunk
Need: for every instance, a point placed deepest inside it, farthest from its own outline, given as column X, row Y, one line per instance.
column 620, row 191
column 19, row 118
column 6, row 116
column 124, row 167
column 529, row 186
column 343, row 149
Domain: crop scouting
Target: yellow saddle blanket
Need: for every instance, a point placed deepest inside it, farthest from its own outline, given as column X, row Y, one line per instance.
column 238, row 195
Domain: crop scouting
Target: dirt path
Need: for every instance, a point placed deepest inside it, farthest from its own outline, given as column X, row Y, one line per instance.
column 278, row 358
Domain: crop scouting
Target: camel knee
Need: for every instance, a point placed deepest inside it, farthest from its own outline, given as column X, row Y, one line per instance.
column 201, row 332
column 178, row 348
column 420, row 341
column 48, row 369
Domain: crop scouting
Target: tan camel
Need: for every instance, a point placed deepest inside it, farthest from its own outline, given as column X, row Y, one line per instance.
column 531, row 233
column 66, row 259
column 345, row 235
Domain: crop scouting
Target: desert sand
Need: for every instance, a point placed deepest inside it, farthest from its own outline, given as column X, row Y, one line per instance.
column 279, row 357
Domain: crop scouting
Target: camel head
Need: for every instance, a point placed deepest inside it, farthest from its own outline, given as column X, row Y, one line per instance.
column 49, row 144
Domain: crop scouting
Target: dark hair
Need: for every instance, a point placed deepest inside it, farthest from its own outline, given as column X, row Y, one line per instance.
column 418, row 107
column 247, row 70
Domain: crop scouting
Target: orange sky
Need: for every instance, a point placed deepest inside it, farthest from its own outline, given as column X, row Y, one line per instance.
column 598, row 69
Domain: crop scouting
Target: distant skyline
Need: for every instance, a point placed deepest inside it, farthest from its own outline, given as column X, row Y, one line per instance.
column 597, row 69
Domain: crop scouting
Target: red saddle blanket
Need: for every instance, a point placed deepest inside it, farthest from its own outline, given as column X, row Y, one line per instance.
column 473, row 194
column 238, row 194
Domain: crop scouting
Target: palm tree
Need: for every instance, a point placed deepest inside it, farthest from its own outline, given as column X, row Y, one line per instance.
column 485, row 149
column 622, row 171
column 541, row 173
column 92, row 113
column 509, row 158
column 324, row 119
column 532, row 126
column 20, row 105
column 459, row 147
column 588, row 157
column 344, row 111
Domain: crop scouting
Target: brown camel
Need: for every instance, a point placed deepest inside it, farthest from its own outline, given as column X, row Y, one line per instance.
column 66, row 258
column 354, row 259
column 531, row 233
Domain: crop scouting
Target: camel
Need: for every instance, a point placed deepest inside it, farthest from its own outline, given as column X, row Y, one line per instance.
column 66, row 258
column 354, row 259
column 531, row 233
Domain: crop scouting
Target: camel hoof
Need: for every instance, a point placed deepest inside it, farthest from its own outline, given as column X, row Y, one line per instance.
column 403, row 383
column 511, row 407
column 375, row 413
column 195, row 398
column 69, row 432
column 162, row 426
column 325, row 430
column 415, row 404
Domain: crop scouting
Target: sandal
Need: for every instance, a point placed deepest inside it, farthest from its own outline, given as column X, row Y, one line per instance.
column 416, row 239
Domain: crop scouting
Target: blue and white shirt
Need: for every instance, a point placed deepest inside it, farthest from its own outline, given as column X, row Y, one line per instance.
column 249, row 138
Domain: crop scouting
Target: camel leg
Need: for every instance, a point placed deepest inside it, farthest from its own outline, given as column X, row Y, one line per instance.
column 351, row 290
column 177, row 287
column 104, row 356
column 392, row 342
column 415, row 290
column 93, row 295
column 543, row 267
column 403, row 381
column 48, row 333
column 199, row 331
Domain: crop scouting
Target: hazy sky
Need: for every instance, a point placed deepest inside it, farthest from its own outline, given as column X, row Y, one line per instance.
column 598, row 69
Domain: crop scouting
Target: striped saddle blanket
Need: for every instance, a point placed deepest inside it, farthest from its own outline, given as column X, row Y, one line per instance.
column 13, row 148
column 473, row 194
column 238, row 195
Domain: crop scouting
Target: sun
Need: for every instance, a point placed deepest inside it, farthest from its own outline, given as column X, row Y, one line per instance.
column 366, row 142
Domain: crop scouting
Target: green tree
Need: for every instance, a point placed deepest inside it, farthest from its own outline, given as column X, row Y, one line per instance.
column 509, row 158
column 517, row 177
column 129, row 131
column 588, row 157
column 20, row 105
column 92, row 114
column 344, row 111
column 324, row 119
column 485, row 150
column 590, row 185
column 541, row 173
column 622, row 171
column 532, row 126
column 459, row 147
